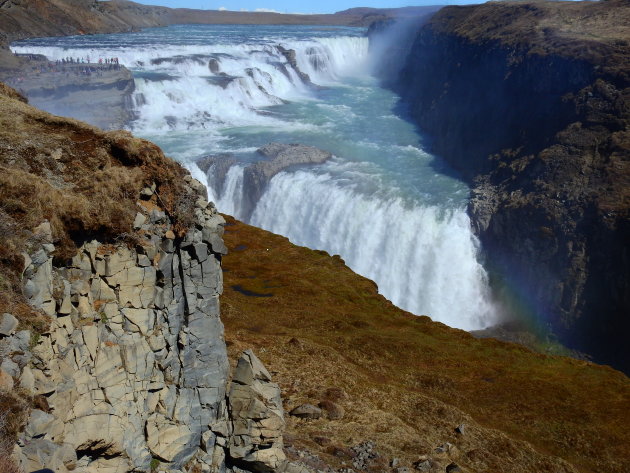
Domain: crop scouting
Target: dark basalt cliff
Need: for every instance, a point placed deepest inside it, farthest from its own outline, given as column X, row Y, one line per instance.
column 531, row 104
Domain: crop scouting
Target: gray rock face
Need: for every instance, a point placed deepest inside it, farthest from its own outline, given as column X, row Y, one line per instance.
column 97, row 94
column 8, row 324
column 257, row 417
column 134, row 366
column 217, row 167
column 257, row 175
column 290, row 56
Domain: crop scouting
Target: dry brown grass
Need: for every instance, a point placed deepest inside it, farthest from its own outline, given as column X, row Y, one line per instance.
column 597, row 32
column 84, row 181
column 13, row 409
column 411, row 381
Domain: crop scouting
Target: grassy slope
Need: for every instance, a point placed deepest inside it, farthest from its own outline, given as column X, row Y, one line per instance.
column 410, row 381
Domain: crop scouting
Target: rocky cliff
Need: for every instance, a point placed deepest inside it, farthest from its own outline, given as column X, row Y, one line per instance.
column 112, row 356
column 530, row 104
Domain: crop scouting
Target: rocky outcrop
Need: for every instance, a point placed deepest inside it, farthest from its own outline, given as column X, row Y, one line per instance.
column 282, row 156
column 257, row 417
column 95, row 93
column 289, row 55
column 534, row 113
column 134, row 368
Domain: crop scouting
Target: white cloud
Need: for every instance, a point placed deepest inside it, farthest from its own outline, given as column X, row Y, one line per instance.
column 222, row 9
column 266, row 10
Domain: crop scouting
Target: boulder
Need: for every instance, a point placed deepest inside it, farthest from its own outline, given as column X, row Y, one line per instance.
column 8, row 325
column 453, row 468
column 306, row 411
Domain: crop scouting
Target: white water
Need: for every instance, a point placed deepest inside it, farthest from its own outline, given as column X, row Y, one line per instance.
column 380, row 203
column 422, row 257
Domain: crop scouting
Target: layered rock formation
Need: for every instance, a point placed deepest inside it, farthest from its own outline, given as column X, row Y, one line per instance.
column 126, row 367
column 530, row 103
column 256, row 176
column 134, row 367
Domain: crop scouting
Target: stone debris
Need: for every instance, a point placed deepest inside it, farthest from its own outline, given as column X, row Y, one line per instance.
column 257, row 416
column 460, row 429
column 365, row 454
column 422, row 465
column 444, row 448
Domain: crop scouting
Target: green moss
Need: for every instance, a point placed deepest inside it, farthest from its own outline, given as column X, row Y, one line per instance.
column 35, row 337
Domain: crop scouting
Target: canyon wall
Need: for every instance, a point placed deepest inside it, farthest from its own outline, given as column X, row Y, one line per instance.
column 530, row 103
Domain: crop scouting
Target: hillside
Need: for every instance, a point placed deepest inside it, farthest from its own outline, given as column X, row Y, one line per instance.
column 405, row 382
column 21, row 19
column 530, row 103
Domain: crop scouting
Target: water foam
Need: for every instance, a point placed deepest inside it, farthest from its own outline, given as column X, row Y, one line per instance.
column 177, row 89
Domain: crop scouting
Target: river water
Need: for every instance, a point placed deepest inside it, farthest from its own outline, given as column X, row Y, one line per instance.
column 382, row 202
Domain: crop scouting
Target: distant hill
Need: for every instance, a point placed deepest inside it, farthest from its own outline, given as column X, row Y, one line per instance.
column 38, row 18
column 394, row 12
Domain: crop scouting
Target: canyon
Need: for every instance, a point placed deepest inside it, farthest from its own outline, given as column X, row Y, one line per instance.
column 532, row 110
column 118, row 277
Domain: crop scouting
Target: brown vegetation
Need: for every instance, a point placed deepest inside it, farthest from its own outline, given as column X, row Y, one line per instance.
column 324, row 331
column 596, row 32
column 13, row 411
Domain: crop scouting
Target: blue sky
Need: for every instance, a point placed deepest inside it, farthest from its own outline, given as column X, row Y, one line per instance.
column 292, row 6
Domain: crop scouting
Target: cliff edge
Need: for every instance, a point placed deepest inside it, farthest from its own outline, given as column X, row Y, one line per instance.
column 112, row 355
column 530, row 102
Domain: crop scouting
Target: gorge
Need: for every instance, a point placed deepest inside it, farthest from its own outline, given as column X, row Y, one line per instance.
column 534, row 114
column 114, row 263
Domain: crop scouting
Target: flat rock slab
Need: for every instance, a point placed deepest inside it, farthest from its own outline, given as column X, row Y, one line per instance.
column 256, row 176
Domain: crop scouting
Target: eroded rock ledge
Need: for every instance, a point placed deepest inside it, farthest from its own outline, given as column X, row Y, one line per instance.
column 133, row 372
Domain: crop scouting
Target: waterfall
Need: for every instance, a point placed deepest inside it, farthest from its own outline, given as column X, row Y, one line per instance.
column 422, row 257
column 225, row 91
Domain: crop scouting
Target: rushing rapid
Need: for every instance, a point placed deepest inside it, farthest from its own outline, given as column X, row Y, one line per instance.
column 391, row 210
